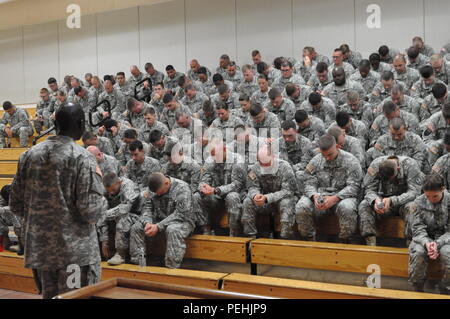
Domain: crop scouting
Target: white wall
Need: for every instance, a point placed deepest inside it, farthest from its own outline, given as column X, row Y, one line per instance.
column 177, row 31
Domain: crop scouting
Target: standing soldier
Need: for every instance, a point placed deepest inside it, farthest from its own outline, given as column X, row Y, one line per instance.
column 59, row 224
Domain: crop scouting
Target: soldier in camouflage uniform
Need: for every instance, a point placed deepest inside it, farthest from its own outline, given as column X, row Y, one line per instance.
column 115, row 98
column 226, row 95
column 434, row 102
column 225, row 123
column 309, row 126
column 438, row 148
column 358, row 109
column 377, row 65
column 337, row 90
column 124, row 202
column 263, row 122
column 157, row 97
column 402, row 143
column 171, row 80
column 155, row 75
column 207, row 114
column 320, row 107
column 391, row 184
column 106, row 163
column 347, row 143
column 221, row 186
column 442, row 167
column 150, row 125
column 321, row 78
column 114, row 131
column 436, row 126
column 416, row 59
column 249, row 84
column 245, row 143
column 287, row 76
column 187, row 127
column 352, row 127
column 383, row 90
column 243, row 113
column 233, row 75
column 193, row 99
column 167, row 211
column 103, row 143
column 140, row 166
column 272, row 187
column 403, row 73
column 366, row 77
column 423, row 48
column 404, row 102
column 192, row 73
column 387, row 54
column 351, row 57
column 123, row 85
column 270, row 72
column 59, row 225
column 171, row 106
column 332, row 185
column 123, row 155
column 261, row 95
column 441, row 68
column 86, row 99
column 282, row 107
column 8, row 219
column 422, row 88
column 135, row 113
column 19, row 124
column 338, row 62
column 430, row 231
column 44, row 109
column 297, row 93
column 158, row 142
column 97, row 88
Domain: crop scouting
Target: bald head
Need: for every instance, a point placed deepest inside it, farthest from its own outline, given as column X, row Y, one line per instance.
column 135, row 70
column 94, row 150
column 265, row 155
column 339, row 76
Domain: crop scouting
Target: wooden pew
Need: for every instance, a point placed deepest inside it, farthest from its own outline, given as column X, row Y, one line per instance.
column 11, row 154
column 8, row 168
column 335, row 257
column 290, row 288
column 5, row 181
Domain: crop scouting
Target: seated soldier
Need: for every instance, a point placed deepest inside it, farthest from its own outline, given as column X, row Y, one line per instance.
column 320, row 107
column 263, row 122
column 44, row 109
column 337, row 90
column 403, row 73
column 245, row 143
column 383, row 89
column 171, row 106
column 366, row 77
column 436, row 126
column 297, row 94
column 309, row 126
column 207, row 114
column 114, row 131
column 243, row 112
column 332, row 185
column 223, row 126
column 115, row 98
column 270, row 72
column 321, row 78
column 434, row 102
column 168, row 211
column 124, row 202
column 387, row 54
column 123, row 155
column 171, row 80
column 422, row 88
column 352, row 127
column 222, row 185
column 438, row 148
column 233, row 75
column 442, row 167
column 295, row 149
column 377, row 65
column 107, row 163
column 391, row 184
column 151, row 124
column 140, row 166
column 416, row 59
column 400, row 142
column 272, row 187
column 249, row 85
column 358, row 109
column 430, row 233
column 226, row 95
column 8, row 219
column 348, row 143
column 15, row 123
column 287, row 76
column 102, row 143
column 136, row 111
column 193, row 98
column 157, row 97
column 282, row 107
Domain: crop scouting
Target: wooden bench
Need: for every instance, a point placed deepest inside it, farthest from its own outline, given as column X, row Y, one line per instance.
column 5, row 181
column 8, row 168
column 290, row 288
column 335, row 257
column 13, row 276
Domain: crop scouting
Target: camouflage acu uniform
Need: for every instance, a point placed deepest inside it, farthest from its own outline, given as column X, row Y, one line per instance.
column 8, row 219
column 117, row 100
column 97, row 92
column 139, row 173
column 364, row 113
column 229, row 179
column 431, row 106
column 281, row 82
column 316, row 85
column 19, row 124
column 243, row 116
column 411, row 146
column 172, row 213
column 284, row 112
column 279, row 185
column 326, row 111
column 43, row 111
column 232, row 102
column 409, row 77
column 104, row 144
column 87, row 103
column 408, row 104
column 305, row 91
column 157, row 104
column 436, row 149
column 273, row 75
column 227, row 127
column 368, row 83
column 338, row 94
column 145, row 130
column 248, row 87
column 442, row 167
column 389, row 59
column 123, row 155
column 260, row 97
column 110, row 164
column 354, row 58
column 208, row 87
column 157, row 77
column 193, row 76
column 236, row 79
column 59, row 224
column 381, row 125
column 188, row 134
column 123, row 211
column 348, row 69
column 431, row 223
column 269, row 125
column 420, row 61
column 444, row 73
column 207, row 120
column 401, row 191
column 172, row 83
column 340, row 177
column 420, row 90
column 383, row 68
column 305, row 71
column 353, row 146
column 358, row 130
column 137, row 120
column 196, row 103
column 168, row 116
column 247, row 149
column 380, row 93
column 158, row 152
column 315, row 129
column 126, row 89
column 436, row 126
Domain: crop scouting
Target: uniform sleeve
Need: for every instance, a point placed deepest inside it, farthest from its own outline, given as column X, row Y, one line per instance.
column 418, row 227
column 128, row 201
column 238, row 180
column 353, row 182
column 414, row 180
column 288, row 185
column 147, row 211
column 445, row 238
column 183, row 209
column 23, row 121
column 371, row 184
column 311, row 181
column 253, row 185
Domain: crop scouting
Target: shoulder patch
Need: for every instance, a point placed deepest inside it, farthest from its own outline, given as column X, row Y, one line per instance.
column 252, row 175
column 309, row 168
column 371, row 171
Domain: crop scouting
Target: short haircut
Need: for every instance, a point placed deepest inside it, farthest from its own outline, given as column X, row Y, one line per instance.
column 335, row 131
column 290, row 89
column 321, row 67
column 44, row 90
column 77, row 90
column 246, row 67
column 155, row 181
column 7, row 105
column 88, row 136
column 131, row 102
column 278, row 61
column 287, row 125
column 120, row 73
column 342, row 118
column 383, row 50
column 261, row 67
column 439, row 90
column 389, row 107
column 300, row 116
column 179, row 114
column 159, row 84
column 61, row 92
column 388, row 168
column 189, row 87
column 110, row 123
column 155, row 136
column 255, row 53
column 222, row 88
column 314, row 98
column 433, row 182
column 110, row 179
column 168, row 97
column 263, row 76
column 274, row 93
column 387, row 76
column 148, row 65
column 225, row 57
column 426, row 71
column 352, row 95
column 255, row 109
column 149, row 110
column 244, row 97
column 285, row 64
column 364, row 64
column 413, row 52
column 446, row 110
column 51, row 80
column 374, row 57
column 397, row 123
column 6, row 190
column 397, row 89
column 202, row 70
column 170, row 67
column 136, row 145
column 345, row 48
column 326, row 141
column 217, row 78
column 221, row 105
column 208, row 106
column 181, row 80
column 131, row 133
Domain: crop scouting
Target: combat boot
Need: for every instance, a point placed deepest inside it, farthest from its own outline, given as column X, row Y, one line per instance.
column 371, row 240
column 117, row 259
column 286, row 231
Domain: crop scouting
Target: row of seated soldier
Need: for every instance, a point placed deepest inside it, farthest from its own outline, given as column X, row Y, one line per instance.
column 295, row 140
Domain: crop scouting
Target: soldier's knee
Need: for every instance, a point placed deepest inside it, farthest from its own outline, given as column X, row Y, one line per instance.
column 304, row 205
column 444, row 251
column 233, row 198
column 248, row 203
column 137, row 227
column 173, row 230
column 416, row 250
column 347, row 206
